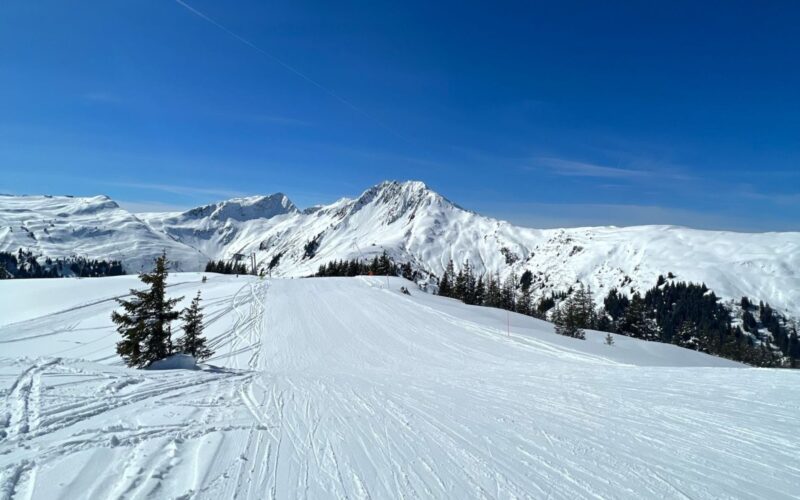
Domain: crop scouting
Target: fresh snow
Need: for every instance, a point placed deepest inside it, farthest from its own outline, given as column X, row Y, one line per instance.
column 413, row 224
column 96, row 227
column 174, row 362
column 344, row 388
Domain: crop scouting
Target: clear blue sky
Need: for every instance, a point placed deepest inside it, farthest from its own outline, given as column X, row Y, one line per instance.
column 542, row 113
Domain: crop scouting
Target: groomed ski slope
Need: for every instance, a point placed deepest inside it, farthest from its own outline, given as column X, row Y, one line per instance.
column 342, row 388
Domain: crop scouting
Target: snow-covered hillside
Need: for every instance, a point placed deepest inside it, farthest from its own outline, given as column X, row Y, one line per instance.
column 97, row 228
column 344, row 388
column 414, row 224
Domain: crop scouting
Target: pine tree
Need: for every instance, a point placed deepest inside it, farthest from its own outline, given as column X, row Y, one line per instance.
column 460, row 286
column 479, row 296
column 687, row 336
column 583, row 300
column 132, row 326
column 445, row 285
column 524, row 304
column 192, row 342
column 509, row 293
column 145, row 324
column 566, row 319
column 494, row 296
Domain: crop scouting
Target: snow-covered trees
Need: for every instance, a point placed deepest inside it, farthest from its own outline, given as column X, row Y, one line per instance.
column 145, row 324
column 192, row 342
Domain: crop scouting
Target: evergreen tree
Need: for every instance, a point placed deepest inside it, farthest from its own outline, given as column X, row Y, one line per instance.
column 479, row 295
column 524, row 304
column 145, row 325
column 446, row 283
column 687, row 336
column 192, row 342
column 460, row 286
column 494, row 296
column 583, row 299
column 509, row 293
column 566, row 319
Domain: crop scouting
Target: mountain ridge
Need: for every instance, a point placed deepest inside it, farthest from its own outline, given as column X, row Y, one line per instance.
column 415, row 224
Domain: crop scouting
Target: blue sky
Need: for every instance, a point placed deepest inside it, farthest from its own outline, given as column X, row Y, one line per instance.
column 542, row 113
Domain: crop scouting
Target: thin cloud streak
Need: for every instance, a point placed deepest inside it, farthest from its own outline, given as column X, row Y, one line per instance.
column 582, row 169
column 179, row 189
column 572, row 168
column 291, row 69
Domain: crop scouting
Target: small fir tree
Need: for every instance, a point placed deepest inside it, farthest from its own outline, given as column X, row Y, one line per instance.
column 193, row 342
column 145, row 322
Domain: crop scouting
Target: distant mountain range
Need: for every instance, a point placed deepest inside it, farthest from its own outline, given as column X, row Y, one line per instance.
column 412, row 224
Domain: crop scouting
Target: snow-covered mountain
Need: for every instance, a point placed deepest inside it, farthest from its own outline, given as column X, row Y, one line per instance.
column 96, row 227
column 220, row 229
column 414, row 224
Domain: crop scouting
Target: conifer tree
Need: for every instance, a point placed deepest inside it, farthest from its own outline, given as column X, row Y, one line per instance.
column 494, row 296
column 686, row 336
column 192, row 342
column 524, row 304
column 145, row 325
column 566, row 319
column 479, row 296
column 446, row 283
column 460, row 286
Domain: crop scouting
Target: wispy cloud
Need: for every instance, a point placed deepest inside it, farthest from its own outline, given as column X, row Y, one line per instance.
column 573, row 168
column 279, row 120
column 785, row 199
column 138, row 207
column 179, row 189
column 102, row 97
column 582, row 169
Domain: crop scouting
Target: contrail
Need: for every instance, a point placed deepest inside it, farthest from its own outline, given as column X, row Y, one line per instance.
column 289, row 67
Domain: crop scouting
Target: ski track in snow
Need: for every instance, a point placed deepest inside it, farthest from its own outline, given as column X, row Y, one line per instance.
column 342, row 388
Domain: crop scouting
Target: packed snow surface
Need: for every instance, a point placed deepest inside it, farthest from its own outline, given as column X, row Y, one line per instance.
column 346, row 388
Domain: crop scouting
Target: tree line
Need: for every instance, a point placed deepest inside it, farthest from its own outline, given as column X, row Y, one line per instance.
column 380, row 265
column 145, row 322
column 24, row 264
column 684, row 314
column 222, row 267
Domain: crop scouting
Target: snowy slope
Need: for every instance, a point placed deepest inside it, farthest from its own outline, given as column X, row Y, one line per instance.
column 415, row 224
column 342, row 388
column 97, row 228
